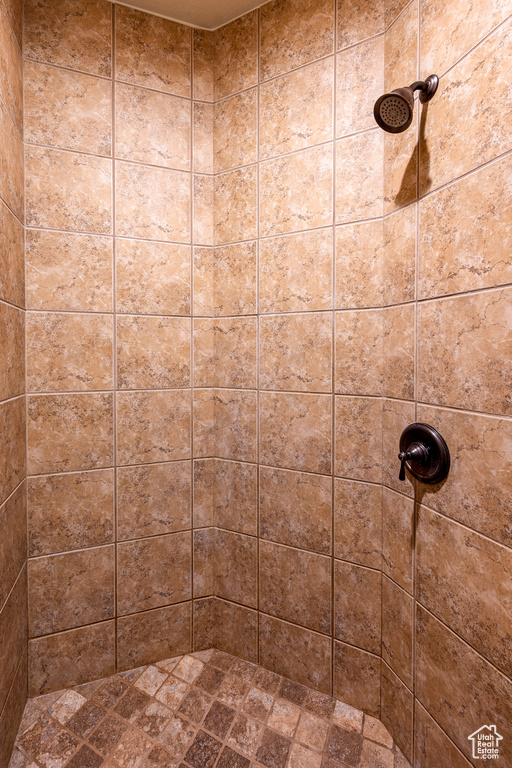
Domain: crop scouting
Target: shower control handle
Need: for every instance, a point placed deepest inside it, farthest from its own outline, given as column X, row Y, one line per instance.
column 424, row 453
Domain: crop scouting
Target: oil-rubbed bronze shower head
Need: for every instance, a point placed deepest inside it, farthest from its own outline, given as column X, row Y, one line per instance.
column 394, row 111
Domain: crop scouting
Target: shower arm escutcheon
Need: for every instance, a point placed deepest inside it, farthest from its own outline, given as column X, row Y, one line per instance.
column 424, row 453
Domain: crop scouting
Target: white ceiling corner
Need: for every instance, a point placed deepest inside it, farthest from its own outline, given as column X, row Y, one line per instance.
column 206, row 14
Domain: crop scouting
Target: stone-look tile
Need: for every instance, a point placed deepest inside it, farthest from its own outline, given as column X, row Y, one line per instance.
column 153, row 426
column 295, row 272
column 13, row 458
column 399, row 256
column 399, row 325
column 225, row 352
column 203, row 137
column 258, row 705
column 13, row 711
column 13, row 547
column 236, row 568
column 345, row 745
column 69, row 34
column 477, row 491
column 357, row 678
column 152, row 127
column 359, row 265
column 203, row 267
column 358, row 438
column 465, row 235
column 153, row 352
column 205, row 547
column 273, row 750
column 68, row 271
column 397, row 631
column 235, row 55
column 13, row 634
column 69, row 432
column 295, row 586
column 245, row 734
column 157, row 634
column 296, row 352
column 237, row 630
column 67, row 109
column 347, row 717
column 358, row 21
column 151, row 680
column 12, row 273
column 225, row 424
column 176, row 738
column 445, row 152
column 12, row 355
column 296, row 110
column 398, row 538
column 59, row 749
column 219, row 719
column 359, row 177
column 432, row 743
column 235, row 131
column 295, row 509
column 449, row 672
column 152, row 203
column 464, row 579
column 235, row 205
column 296, row 191
column 358, row 522
column 153, row 499
column 14, row 13
column 374, row 730
column 295, row 652
column 203, row 56
column 11, row 70
column 359, row 352
column 11, row 164
column 153, row 572
column 284, row 717
column 401, row 49
column 69, row 352
column 357, row 606
column 396, row 415
column 400, row 162
column 375, row 755
column 312, row 730
column 70, row 511
column 234, row 280
column 360, row 82
column 204, row 221
column 70, row 590
column 172, row 693
column 203, row 751
column 152, row 51
column 295, row 431
column 204, row 478
column 235, row 490
column 440, row 49
column 130, row 751
column 152, row 278
column 472, row 336
column 293, row 34
column 68, row 191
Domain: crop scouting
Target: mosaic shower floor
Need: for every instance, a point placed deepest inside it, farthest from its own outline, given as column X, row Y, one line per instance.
column 204, row 710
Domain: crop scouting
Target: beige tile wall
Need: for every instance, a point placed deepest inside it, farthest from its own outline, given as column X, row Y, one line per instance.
column 13, row 511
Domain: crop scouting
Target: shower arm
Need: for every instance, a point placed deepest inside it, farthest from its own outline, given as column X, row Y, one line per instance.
column 427, row 87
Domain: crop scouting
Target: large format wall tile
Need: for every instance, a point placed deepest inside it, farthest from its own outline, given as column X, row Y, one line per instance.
column 396, row 416
column 357, row 606
column 358, row 522
column 476, row 88
column 68, row 272
column 235, row 131
column 202, row 160
column 296, row 352
column 398, row 538
column 13, row 546
column 12, row 351
column 11, row 164
column 398, row 365
column 397, row 708
column 12, row 273
column 235, row 496
column 397, row 630
column 70, row 511
column 153, row 635
column 401, row 49
column 296, row 110
column 225, row 352
column 203, row 58
column 295, row 272
column 234, row 280
column 399, row 257
column 292, row 34
column 235, row 64
column 237, row 630
column 462, row 345
column 68, row 191
column 69, row 432
column 296, row 191
column 358, row 440
column 67, row 109
column 357, row 678
column 78, row 585
column 359, row 20
column 152, row 51
column 204, row 213
column 359, row 82
column 466, row 233
column 235, row 205
column 13, row 459
column 13, row 634
column 11, row 69
column 152, row 203
column 432, row 744
column 236, row 572
column 69, row 352
column 69, row 34
column 359, row 359
column 359, row 177
column 152, row 127
column 359, row 262
column 295, row 509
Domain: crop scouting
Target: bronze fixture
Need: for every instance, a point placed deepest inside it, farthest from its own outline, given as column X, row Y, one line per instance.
column 394, row 111
column 424, row 453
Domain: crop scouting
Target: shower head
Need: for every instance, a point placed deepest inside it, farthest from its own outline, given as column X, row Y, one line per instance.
column 394, row 111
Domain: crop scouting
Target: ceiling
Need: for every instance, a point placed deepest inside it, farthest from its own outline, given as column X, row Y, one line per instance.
column 207, row 14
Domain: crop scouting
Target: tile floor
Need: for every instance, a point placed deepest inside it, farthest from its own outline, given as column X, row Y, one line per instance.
column 199, row 711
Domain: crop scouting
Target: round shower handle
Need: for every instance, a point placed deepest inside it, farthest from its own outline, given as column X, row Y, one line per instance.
column 424, row 453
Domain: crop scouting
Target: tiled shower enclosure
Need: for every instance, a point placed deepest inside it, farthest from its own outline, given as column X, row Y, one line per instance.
column 224, row 292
